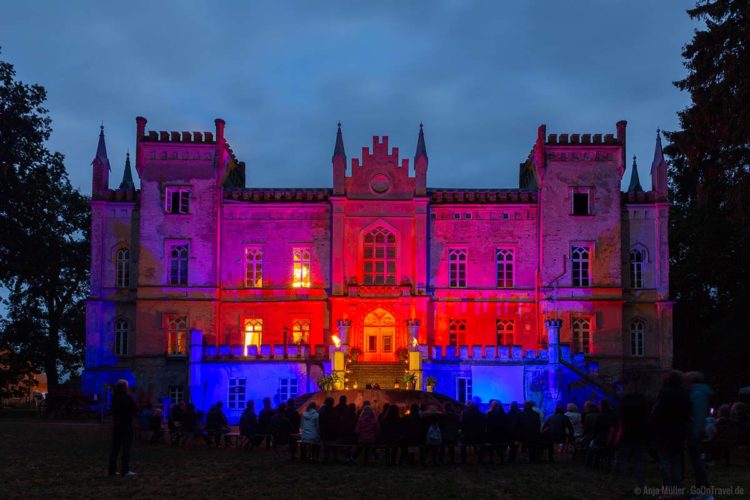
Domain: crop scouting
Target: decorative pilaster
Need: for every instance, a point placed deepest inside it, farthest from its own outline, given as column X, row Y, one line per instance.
column 412, row 326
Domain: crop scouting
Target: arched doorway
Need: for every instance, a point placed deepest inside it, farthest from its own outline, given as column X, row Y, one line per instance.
column 379, row 336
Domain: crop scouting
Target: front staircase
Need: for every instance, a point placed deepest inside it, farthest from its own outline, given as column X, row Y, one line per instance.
column 383, row 374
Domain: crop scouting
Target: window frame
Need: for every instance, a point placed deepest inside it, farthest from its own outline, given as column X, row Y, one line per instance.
column 256, row 329
column 184, row 195
column 505, row 267
column 581, row 190
column 121, row 337
column 178, row 266
column 175, row 333
column 468, row 389
column 637, row 268
column 456, row 332
column 388, row 260
column 503, row 333
column 176, row 390
column 301, row 266
column 122, row 267
column 285, row 388
column 301, row 328
column 580, row 337
column 578, row 279
column 637, row 338
column 253, row 267
column 458, row 258
column 237, row 393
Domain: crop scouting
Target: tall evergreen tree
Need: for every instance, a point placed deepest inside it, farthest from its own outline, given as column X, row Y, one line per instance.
column 710, row 190
column 43, row 241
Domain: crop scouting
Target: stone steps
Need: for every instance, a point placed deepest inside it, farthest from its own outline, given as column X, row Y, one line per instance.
column 383, row 374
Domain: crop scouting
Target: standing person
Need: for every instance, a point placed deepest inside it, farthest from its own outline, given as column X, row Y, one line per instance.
column 671, row 417
column 557, row 430
column 293, row 415
column 124, row 411
column 530, row 430
column 514, row 413
column 342, row 406
column 264, row 419
column 310, row 436
column 632, row 437
column 249, row 424
column 367, row 430
column 700, row 402
column 576, row 420
column 328, row 417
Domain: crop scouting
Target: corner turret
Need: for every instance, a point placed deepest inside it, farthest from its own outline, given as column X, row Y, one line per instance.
column 100, row 180
column 420, row 165
column 659, row 170
column 339, row 164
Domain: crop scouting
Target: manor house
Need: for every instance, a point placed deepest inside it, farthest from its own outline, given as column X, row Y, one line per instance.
column 204, row 289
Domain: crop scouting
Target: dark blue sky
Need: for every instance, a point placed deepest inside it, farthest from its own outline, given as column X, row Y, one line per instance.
column 480, row 75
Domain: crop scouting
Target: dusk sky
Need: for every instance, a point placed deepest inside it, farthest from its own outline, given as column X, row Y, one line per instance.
column 481, row 76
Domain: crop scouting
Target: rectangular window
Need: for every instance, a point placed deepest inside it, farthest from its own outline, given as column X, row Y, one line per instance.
column 581, row 202
column 253, row 267
column 237, row 393
column 177, row 200
column 457, row 267
column 178, row 264
column 581, row 264
column 176, row 394
column 301, row 268
column 121, row 337
column 463, row 389
column 177, row 335
column 505, row 329
column 253, row 332
column 457, row 332
column 122, row 279
column 288, row 388
column 581, row 335
column 504, row 263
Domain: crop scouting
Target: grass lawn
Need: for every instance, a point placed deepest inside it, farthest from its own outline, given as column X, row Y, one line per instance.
column 68, row 460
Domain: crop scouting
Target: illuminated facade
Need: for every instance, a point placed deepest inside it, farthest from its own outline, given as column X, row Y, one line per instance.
column 204, row 289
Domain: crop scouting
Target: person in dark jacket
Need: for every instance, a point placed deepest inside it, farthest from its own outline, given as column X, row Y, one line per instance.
column 411, row 432
column 514, row 413
column 700, row 402
column 557, row 430
column 529, row 430
column 390, row 431
column 329, row 427
column 473, row 431
column 497, row 430
column 367, row 429
column 264, row 419
column 342, row 406
column 293, row 415
column 216, row 423
column 450, row 426
column 124, row 411
column 280, row 428
column 632, row 436
column 671, row 421
column 347, row 424
column 249, row 425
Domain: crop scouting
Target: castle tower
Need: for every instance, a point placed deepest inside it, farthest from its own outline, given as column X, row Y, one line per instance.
column 420, row 165
column 339, row 164
column 100, row 177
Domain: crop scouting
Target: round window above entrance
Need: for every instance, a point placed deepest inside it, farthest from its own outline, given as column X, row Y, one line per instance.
column 380, row 183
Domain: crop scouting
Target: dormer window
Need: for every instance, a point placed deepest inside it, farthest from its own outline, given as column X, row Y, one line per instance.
column 177, row 200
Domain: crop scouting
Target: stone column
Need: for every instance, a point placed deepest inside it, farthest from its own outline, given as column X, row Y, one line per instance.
column 344, row 325
column 554, row 372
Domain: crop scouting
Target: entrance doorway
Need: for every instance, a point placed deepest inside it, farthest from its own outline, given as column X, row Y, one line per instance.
column 379, row 342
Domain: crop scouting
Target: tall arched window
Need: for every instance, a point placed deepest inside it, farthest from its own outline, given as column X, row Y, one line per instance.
column 637, row 258
column 505, row 329
column 582, row 335
column 178, row 265
column 121, row 337
column 122, row 268
column 379, row 257
column 637, row 329
column 581, row 265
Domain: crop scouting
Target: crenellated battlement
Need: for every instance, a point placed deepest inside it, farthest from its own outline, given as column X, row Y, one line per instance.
column 564, row 139
column 181, row 137
column 380, row 155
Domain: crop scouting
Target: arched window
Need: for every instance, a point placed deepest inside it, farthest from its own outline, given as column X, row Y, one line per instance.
column 379, row 257
column 253, row 267
column 457, row 267
column 121, row 336
column 253, row 333
column 122, row 268
column 637, row 329
column 581, row 265
column 637, row 258
column 177, row 336
column 504, row 329
column 178, row 265
column 582, row 335
column 504, row 263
